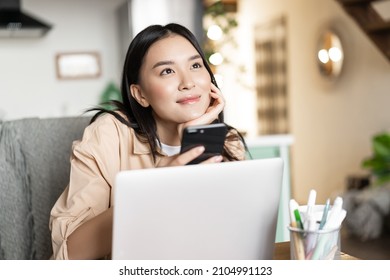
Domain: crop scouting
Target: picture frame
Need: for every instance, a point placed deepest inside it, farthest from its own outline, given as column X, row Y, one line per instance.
column 78, row 65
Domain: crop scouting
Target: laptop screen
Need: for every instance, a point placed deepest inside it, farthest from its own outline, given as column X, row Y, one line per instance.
column 215, row 211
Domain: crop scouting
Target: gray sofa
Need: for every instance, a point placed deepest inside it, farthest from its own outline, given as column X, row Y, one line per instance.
column 34, row 170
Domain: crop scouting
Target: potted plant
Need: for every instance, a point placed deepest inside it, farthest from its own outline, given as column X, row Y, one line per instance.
column 369, row 208
column 379, row 163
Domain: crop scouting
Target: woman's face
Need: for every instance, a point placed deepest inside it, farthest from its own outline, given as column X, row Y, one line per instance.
column 173, row 81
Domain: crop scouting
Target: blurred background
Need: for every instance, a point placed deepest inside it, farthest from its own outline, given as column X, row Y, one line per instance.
column 273, row 62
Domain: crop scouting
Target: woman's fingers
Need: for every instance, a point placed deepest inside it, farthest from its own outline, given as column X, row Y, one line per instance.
column 212, row 112
column 213, row 159
column 217, row 95
column 187, row 157
column 216, row 106
column 183, row 158
column 218, row 102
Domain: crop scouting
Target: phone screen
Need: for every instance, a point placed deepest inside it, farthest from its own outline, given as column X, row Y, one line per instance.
column 211, row 136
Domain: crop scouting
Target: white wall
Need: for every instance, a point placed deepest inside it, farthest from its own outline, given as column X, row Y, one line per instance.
column 332, row 123
column 28, row 83
column 185, row 12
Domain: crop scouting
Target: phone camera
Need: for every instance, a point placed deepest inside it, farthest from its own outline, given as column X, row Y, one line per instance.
column 201, row 131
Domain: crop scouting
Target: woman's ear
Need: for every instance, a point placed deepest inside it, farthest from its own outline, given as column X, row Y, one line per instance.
column 136, row 92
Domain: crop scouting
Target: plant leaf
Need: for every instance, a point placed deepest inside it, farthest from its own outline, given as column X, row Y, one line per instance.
column 379, row 162
column 381, row 145
column 382, row 179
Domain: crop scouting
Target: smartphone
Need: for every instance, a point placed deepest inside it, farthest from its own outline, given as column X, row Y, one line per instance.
column 211, row 136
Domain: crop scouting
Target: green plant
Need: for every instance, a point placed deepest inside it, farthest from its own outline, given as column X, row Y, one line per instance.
column 110, row 92
column 379, row 162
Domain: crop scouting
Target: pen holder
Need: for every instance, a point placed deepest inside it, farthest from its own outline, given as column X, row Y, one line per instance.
column 314, row 245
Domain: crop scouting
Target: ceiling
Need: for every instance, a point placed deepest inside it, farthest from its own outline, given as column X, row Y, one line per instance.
column 383, row 9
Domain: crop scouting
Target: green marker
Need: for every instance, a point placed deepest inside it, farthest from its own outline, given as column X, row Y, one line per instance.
column 298, row 218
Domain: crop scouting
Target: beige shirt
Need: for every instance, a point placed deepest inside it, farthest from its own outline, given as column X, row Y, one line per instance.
column 107, row 147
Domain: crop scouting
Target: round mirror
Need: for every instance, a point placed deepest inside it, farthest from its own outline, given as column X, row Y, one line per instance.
column 330, row 54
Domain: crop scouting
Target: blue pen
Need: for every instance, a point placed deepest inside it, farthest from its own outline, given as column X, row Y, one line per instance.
column 325, row 214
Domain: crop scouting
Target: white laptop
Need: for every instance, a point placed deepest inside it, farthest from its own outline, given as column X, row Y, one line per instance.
column 197, row 212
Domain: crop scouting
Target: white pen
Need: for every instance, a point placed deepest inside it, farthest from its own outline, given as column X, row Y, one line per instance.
column 336, row 216
column 335, row 212
column 311, row 200
column 311, row 238
column 292, row 206
column 310, row 205
column 341, row 217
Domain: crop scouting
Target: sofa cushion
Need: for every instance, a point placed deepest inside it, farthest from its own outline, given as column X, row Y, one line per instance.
column 36, row 170
column 15, row 199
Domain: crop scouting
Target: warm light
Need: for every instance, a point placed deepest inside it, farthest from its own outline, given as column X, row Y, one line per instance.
column 335, row 54
column 219, row 80
column 323, row 56
column 216, row 59
column 214, row 32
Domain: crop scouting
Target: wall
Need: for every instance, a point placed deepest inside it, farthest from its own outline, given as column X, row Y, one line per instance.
column 186, row 12
column 28, row 83
column 332, row 123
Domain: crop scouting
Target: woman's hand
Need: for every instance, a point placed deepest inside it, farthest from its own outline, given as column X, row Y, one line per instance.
column 184, row 158
column 212, row 112
column 215, row 108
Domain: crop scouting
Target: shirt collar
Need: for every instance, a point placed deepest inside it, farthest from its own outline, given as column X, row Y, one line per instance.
column 142, row 148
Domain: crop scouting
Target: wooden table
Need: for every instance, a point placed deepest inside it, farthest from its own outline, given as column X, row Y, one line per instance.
column 282, row 252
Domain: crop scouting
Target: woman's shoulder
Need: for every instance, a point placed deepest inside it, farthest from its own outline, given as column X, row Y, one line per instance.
column 106, row 126
column 107, row 120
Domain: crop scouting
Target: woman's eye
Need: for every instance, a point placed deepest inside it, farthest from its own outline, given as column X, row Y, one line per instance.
column 167, row 71
column 196, row 65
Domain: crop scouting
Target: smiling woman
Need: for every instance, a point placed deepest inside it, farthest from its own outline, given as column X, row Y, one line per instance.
column 167, row 86
column 173, row 74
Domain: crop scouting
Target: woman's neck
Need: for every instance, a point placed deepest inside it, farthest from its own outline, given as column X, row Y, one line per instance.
column 168, row 134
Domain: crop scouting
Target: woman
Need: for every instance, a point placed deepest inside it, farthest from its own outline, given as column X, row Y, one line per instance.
column 166, row 86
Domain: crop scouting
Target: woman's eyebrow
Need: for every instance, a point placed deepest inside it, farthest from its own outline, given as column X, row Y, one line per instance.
column 194, row 57
column 170, row 62
column 164, row 62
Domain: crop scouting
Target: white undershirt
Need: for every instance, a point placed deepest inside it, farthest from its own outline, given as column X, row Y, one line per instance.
column 170, row 150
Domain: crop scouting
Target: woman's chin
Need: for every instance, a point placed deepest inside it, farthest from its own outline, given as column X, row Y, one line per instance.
column 193, row 116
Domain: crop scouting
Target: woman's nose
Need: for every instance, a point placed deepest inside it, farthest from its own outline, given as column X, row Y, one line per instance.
column 186, row 82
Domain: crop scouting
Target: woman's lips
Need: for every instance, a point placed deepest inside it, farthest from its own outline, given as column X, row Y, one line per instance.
column 188, row 100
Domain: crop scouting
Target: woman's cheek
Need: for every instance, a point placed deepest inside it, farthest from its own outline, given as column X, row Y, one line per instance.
column 203, row 80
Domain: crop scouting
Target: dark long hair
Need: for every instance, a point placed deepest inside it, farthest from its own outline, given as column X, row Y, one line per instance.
column 136, row 116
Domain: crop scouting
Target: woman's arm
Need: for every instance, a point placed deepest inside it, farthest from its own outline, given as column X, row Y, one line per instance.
column 92, row 240
column 81, row 219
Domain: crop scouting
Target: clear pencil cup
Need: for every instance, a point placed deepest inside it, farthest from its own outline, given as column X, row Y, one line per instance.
column 321, row 244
